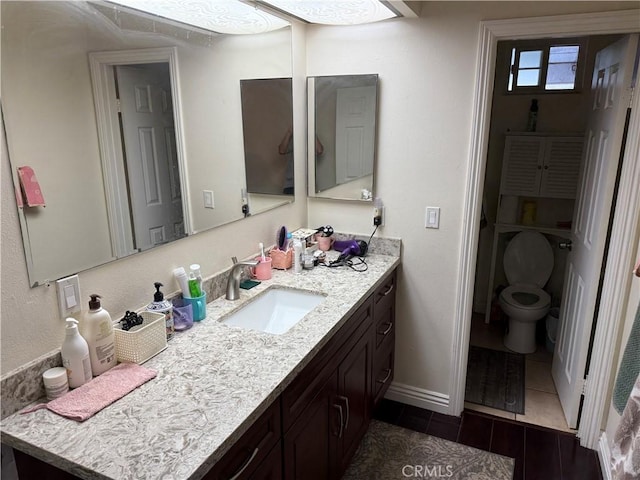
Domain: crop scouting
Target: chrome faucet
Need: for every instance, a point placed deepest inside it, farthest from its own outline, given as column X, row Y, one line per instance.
column 233, row 282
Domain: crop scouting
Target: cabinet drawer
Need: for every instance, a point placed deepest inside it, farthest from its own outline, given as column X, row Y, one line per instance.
column 383, row 362
column 385, row 326
column 310, row 381
column 385, row 294
column 241, row 461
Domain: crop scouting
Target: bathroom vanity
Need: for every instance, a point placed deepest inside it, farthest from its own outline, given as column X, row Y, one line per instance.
column 237, row 403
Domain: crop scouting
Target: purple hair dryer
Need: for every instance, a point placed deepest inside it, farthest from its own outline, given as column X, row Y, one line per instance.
column 350, row 248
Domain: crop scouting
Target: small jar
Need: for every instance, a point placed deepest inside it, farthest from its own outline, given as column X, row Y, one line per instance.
column 56, row 383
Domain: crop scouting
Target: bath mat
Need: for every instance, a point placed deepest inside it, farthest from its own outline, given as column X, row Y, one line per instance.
column 495, row 379
column 388, row 452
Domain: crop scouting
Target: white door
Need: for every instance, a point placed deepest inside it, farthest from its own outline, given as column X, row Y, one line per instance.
column 150, row 153
column 610, row 97
column 355, row 132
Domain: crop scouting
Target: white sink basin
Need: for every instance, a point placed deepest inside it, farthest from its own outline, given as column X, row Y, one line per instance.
column 275, row 311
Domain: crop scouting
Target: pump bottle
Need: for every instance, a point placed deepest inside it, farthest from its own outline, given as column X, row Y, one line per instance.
column 75, row 355
column 165, row 307
column 97, row 329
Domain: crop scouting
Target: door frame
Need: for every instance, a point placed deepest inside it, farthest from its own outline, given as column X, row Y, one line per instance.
column 625, row 224
column 111, row 149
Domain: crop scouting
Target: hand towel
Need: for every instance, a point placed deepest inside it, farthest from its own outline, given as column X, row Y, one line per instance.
column 102, row 391
column 625, row 453
column 629, row 367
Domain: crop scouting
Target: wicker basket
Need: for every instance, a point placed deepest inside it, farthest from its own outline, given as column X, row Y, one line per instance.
column 143, row 341
column 281, row 260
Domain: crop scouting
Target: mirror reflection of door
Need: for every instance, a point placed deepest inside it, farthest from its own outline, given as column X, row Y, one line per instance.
column 153, row 186
column 355, row 132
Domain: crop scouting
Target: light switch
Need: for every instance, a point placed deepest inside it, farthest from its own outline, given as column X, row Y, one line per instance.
column 68, row 295
column 207, row 196
column 432, row 217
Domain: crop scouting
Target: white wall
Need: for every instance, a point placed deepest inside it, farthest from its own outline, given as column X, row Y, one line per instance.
column 427, row 77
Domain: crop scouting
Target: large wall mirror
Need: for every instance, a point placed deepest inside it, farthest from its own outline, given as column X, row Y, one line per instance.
column 111, row 190
column 342, row 130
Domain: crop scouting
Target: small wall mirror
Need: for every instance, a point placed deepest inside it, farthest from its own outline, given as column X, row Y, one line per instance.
column 342, row 136
column 58, row 56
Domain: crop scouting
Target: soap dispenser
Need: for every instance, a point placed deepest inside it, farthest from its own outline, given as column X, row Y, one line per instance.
column 75, row 355
column 165, row 307
column 97, row 330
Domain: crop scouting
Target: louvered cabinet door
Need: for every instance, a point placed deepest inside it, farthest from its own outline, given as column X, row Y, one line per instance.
column 522, row 166
column 561, row 167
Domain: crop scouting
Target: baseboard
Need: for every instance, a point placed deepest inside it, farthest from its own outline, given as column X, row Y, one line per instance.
column 418, row 397
column 604, row 455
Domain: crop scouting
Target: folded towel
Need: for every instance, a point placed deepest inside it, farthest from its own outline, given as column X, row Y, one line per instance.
column 625, row 453
column 629, row 367
column 90, row 398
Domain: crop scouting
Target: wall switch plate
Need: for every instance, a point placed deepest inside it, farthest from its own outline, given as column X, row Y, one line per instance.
column 207, row 196
column 68, row 295
column 432, row 217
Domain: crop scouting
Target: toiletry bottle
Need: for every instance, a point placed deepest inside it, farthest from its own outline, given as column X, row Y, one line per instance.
column 182, row 279
column 195, row 268
column 194, row 286
column 97, row 330
column 297, row 255
column 75, row 355
column 165, row 307
column 533, row 116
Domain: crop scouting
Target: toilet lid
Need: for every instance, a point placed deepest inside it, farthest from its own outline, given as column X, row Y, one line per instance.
column 528, row 259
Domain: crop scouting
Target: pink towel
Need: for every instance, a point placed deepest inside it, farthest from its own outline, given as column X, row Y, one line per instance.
column 102, row 391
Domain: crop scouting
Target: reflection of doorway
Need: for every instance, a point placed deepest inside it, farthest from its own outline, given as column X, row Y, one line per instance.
column 153, row 179
column 143, row 186
column 624, row 226
column 355, row 132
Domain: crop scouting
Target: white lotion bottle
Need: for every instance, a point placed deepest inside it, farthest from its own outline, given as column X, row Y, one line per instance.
column 97, row 330
column 75, row 355
column 297, row 256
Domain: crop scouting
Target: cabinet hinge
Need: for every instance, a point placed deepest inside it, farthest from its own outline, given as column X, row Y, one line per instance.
column 118, row 105
column 633, row 90
column 584, row 385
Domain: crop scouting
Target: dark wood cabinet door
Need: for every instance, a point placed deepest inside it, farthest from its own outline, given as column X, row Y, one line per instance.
column 307, row 444
column 354, row 396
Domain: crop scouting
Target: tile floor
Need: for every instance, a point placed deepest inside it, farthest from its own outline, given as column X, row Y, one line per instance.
column 539, row 453
column 541, row 403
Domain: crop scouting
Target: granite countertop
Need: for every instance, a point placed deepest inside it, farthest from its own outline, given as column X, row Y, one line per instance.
column 213, row 382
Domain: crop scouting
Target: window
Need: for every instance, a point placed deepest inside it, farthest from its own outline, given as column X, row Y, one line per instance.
column 547, row 66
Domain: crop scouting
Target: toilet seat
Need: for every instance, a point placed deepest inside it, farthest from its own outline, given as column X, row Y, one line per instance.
column 528, row 259
column 525, row 297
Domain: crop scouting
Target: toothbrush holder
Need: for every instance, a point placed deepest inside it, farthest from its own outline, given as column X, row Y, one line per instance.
column 281, row 260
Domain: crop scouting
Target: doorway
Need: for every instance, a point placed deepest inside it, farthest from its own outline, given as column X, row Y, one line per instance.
column 512, row 186
column 624, row 227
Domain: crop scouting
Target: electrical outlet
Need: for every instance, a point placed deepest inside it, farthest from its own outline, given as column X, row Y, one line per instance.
column 378, row 216
column 68, row 295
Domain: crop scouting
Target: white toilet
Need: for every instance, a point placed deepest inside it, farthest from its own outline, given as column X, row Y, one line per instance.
column 528, row 263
